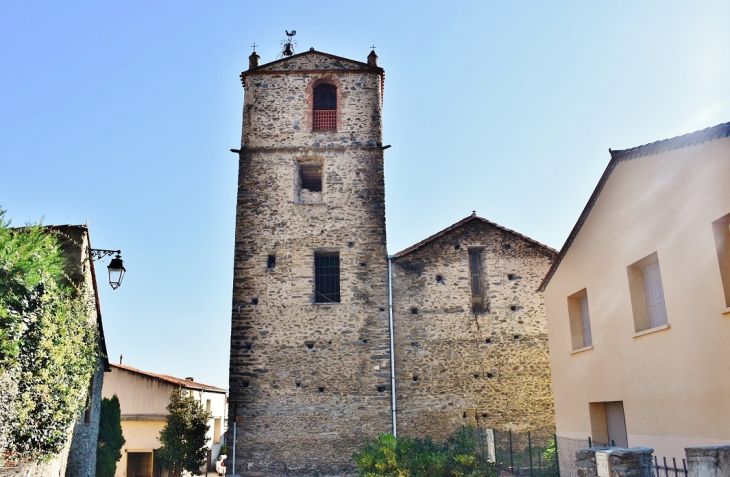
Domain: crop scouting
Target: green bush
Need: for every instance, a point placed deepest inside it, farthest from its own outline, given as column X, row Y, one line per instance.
column 48, row 345
column 457, row 456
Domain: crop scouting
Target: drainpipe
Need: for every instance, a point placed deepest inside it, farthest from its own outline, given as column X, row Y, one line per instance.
column 392, row 345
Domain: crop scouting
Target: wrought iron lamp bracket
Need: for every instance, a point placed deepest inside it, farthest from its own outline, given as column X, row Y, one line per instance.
column 98, row 253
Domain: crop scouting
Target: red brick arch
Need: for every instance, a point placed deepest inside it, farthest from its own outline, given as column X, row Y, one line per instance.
column 309, row 98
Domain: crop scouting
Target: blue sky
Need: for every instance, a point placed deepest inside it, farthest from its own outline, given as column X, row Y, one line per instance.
column 123, row 114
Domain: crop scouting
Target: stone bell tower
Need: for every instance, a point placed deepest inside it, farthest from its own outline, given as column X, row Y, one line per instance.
column 310, row 360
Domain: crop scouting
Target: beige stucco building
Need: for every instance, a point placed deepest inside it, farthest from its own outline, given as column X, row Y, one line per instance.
column 638, row 300
column 143, row 399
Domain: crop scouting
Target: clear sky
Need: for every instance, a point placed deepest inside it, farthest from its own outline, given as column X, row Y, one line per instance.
column 123, row 114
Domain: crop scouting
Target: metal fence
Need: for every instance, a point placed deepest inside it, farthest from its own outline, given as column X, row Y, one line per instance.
column 667, row 471
column 526, row 454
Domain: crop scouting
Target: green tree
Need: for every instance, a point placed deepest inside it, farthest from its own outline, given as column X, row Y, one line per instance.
column 111, row 439
column 48, row 344
column 183, row 437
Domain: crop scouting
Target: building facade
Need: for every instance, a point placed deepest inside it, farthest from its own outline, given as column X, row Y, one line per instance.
column 637, row 301
column 143, row 399
column 470, row 335
column 310, row 366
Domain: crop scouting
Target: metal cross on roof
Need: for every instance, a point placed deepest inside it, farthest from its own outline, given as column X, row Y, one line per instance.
column 254, row 47
column 373, row 47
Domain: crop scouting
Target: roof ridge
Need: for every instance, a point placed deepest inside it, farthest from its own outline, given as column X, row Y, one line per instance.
column 458, row 224
column 684, row 140
column 310, row 51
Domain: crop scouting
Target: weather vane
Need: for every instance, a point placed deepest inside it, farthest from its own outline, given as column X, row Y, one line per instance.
column 288, row 44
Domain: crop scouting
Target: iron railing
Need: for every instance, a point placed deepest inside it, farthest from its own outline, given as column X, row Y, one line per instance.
column 532, row 454
column 325, row 120
column 664, row 470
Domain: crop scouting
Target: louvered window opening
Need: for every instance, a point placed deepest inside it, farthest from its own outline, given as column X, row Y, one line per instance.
column 310, row 174
column 324, row 107
column 326, row 278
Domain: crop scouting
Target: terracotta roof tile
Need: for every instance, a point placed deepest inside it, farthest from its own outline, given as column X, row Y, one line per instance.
column 170, row 379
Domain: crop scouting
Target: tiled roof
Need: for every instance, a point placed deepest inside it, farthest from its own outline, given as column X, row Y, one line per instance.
column 678, row 142
column 170, row 379
column 458, row 224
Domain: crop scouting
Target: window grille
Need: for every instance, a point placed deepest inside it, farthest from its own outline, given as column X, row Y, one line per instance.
column 326, row 277
column 324, row 107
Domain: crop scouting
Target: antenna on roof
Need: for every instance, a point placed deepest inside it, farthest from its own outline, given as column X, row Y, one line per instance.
column 288, row 44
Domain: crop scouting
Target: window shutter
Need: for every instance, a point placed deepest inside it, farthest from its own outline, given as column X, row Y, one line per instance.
column 654, row 295
column 585, row 321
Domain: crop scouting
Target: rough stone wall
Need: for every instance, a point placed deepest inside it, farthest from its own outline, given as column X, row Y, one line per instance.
column 309, row 381
column 277, row 107
column 454, row 367
column 711, row 461
column 633, row 462
column 82, row 455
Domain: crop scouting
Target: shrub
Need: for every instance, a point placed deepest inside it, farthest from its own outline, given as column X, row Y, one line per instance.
column 457, row 456
column 48, row 345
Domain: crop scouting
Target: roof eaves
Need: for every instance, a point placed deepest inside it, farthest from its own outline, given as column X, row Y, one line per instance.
column 171, row 379
column 686, row 140
column 260, row 68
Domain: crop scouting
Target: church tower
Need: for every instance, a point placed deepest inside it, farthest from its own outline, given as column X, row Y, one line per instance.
column 310, row 360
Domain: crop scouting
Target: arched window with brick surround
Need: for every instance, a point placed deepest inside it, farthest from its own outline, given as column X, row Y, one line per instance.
column 324, row 107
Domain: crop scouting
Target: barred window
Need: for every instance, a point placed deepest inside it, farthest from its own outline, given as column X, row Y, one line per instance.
column 324, row 108
column 326, row 277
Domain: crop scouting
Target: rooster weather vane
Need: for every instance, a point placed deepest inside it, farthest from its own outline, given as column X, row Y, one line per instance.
column 288, row 44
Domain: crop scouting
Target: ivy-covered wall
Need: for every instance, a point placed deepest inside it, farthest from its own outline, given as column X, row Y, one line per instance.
column 49, row 347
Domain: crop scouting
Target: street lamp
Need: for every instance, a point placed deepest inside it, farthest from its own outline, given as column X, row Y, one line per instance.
column 116, row 266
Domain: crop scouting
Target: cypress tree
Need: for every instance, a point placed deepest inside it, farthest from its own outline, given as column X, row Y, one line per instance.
column 111, row 439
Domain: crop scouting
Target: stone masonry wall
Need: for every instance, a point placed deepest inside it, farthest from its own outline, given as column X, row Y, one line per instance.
column 454, row 367
column 309, row 381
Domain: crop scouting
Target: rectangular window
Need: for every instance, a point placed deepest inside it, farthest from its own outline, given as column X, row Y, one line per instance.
column 217, row 430
column 647, row 294
column 477, row 283
column 326, row 277
column 207, row 405
column 580, row 320
column 721, row 230
column 311, row 176
column 308, row 183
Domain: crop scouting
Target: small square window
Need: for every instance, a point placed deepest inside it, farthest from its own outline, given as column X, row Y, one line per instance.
column 326, row 277
column 647, row 294
column 580, row 321
column 311, row 175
